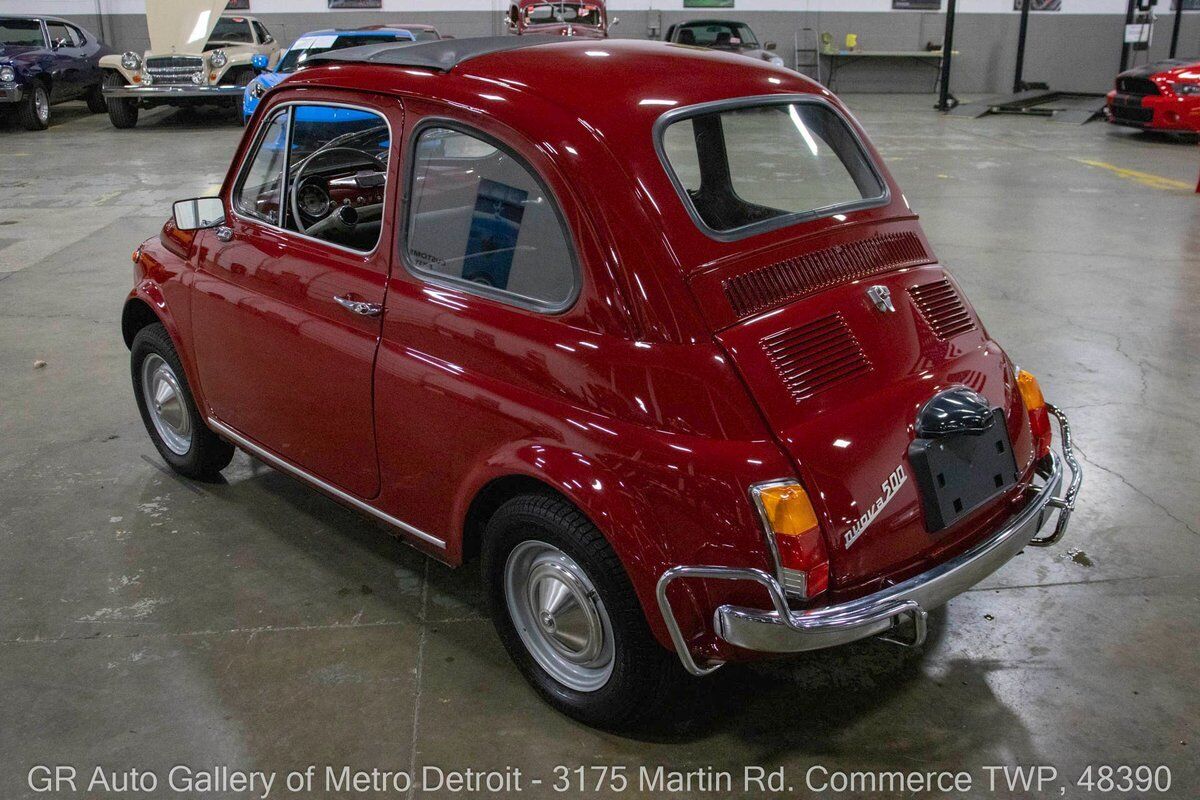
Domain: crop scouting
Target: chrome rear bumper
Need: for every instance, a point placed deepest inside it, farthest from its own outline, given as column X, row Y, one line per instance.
column 783, row 630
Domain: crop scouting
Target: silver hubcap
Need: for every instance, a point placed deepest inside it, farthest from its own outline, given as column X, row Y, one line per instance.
column 41, row 105
column 559, row 615
column 164, row 400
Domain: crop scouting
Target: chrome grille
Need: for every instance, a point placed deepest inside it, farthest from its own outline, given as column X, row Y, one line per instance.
column 789, row 280
column 813, row 357
column 173, row 70
column 942, row 308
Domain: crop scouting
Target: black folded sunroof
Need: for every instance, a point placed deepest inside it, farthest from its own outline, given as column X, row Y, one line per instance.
column 442, row 55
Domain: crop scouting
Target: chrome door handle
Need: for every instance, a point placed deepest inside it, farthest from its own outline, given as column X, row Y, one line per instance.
column 224, row 233
column 359, row 307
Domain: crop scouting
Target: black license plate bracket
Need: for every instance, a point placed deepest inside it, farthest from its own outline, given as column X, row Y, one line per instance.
column 960, row 472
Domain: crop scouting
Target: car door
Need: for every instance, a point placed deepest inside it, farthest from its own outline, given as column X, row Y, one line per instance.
column 67, row 72
column 286, row 321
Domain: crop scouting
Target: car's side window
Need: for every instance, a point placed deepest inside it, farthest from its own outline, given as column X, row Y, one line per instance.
column 337, row 174
column 258, row 193
column 77, row 37
column 263, row 36
column 335, row 159
column 478, row 217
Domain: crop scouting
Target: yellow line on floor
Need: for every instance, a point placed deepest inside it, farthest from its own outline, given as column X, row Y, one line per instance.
column 1145, row 178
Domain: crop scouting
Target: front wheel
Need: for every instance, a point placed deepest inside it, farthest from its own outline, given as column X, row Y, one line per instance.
column 122, row 111
column 165, row 401
column 34, row 112
column 568, row 616
column 95, row 100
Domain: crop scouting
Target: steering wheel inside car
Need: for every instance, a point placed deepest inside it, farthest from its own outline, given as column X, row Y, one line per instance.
column 337, row 217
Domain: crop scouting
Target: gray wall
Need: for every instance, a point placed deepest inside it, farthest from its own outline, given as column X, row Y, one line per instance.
column 1078, row 52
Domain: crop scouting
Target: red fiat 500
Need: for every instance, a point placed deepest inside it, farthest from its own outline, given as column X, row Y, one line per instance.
column 671, row 355
column 1162, row 97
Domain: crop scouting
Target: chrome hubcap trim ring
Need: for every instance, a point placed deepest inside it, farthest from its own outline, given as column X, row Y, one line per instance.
column 164, row 401
column 559, row 615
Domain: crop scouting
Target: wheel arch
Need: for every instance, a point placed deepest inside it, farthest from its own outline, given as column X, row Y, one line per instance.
column 602, row 497
column 135, row 315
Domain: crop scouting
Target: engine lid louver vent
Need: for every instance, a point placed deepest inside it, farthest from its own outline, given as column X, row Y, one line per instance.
column 942, row 309
column 788, row 280
column 813, row 357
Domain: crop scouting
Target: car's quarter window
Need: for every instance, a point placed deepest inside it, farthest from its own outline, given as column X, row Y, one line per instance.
column 478, row 217
column 335, row 161
column 59, row 34
column 747, row 167
column 263, row 35
column 258, row 191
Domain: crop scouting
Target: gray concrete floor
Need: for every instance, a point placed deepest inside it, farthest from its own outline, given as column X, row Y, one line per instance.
column 146, row 621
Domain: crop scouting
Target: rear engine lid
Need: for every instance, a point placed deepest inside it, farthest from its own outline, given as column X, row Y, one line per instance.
column 841, row 372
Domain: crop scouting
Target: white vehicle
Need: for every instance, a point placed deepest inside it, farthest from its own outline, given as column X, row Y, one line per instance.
column 196, row 57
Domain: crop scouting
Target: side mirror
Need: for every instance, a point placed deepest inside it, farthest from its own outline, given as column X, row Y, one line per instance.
column 198, row 213
column 260, row 61
column 58, row 43
column 769, row 45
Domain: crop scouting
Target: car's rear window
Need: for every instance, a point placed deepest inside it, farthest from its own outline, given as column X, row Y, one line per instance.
column 752, row 167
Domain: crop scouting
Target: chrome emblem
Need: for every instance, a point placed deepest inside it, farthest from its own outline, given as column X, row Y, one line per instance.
column 881, row 296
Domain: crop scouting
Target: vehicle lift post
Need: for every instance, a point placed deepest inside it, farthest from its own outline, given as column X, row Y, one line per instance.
column 1018, row 76
column 947, row 101
column 1175, row 28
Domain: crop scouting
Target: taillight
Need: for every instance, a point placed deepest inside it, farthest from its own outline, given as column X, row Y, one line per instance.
column 795, row 536
column 1035, row 406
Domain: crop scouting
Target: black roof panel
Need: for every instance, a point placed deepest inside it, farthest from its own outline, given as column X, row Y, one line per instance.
column 442, row 55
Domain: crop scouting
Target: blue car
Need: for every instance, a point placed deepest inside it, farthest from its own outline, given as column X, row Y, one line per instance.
column 311, row 44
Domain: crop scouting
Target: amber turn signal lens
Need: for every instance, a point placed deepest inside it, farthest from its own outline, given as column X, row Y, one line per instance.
column 1031, row 393
column 1035, row 406
column 788, row 509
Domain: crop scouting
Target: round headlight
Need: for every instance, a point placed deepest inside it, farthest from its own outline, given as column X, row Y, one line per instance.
column 130, row 60
column 197, row 78
column 7, row 75
column 218, row 58
column 776, row 60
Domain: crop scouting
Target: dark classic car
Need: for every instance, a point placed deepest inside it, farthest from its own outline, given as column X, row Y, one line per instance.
column 723, row 34
column 671, row 357
column 46, row 60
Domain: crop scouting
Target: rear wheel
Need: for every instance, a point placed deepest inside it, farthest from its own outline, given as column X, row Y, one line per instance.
column 568, row 616
column 34, row 111
column 122, row 111
column 169, row 411
column 95, row 100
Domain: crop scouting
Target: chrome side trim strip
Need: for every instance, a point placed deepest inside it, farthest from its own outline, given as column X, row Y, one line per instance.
column 280, row 464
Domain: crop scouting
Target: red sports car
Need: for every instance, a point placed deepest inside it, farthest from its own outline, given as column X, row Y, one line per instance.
column 662, row 346
column 1158, row 97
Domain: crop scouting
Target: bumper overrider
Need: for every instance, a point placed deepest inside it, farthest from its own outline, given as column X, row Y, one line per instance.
column 11, row 94
column 153, row 92
column 783, row 630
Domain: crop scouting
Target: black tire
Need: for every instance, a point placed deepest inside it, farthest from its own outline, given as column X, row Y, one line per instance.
column 95, row 100
column 242, row 79
column 208, row 453
column 122, row 111
column 34, row 111
column 643, row 672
